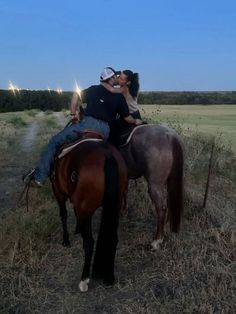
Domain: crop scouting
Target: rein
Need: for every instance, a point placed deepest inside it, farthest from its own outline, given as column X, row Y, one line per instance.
column 68, row 124
column 26, row 192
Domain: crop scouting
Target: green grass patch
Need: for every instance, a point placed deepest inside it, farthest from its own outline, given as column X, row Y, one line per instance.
column 208, row 120
column 48, row 112
column 49, row 123
column 32, row 112
column 17, row 121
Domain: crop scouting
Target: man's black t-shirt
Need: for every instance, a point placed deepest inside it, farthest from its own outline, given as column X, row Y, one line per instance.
column 104, row 105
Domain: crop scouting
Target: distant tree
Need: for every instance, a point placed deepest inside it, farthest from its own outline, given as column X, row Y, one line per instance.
column 45, row 100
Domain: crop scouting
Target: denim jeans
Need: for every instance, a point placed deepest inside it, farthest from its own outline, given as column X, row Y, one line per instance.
column 69, row 134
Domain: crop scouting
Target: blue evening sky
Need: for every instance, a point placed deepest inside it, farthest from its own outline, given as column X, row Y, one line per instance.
column 174, row 45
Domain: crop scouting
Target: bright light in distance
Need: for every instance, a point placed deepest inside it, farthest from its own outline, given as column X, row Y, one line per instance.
column 59, row 90
column 13, row 88
column 77, row 89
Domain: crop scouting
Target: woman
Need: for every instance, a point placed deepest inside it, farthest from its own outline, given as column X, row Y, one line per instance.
column 129, row 88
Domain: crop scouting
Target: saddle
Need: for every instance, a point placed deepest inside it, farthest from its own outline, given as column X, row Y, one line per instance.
column 126, row 135
column 83, row 136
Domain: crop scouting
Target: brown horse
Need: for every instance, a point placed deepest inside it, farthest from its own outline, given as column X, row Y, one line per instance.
column 93, row 174
column 156, row 153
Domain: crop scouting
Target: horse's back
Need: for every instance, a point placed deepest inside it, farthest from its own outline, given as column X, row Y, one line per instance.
column 151, row 149
column 155, row 134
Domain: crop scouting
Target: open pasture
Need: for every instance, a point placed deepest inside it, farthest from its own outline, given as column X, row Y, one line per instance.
column 219, row 120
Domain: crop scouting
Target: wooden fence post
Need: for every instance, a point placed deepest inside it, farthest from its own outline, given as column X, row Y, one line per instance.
column 209, row 175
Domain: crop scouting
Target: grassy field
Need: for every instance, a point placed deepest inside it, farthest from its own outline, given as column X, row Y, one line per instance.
column 219, row 120
column 193, row 272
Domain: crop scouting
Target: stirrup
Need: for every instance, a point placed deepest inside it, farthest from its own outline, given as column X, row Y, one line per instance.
column 26, row 178
column 35, row 184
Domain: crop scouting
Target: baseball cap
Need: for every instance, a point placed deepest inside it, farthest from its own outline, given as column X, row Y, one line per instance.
column 107, row 73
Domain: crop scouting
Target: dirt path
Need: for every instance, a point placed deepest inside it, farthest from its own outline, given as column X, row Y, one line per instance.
column 21, row 160
column 12, row 170
column 28, row 140
column 61, row 120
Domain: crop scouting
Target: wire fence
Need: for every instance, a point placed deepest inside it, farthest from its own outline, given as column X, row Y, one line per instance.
column 210, row 178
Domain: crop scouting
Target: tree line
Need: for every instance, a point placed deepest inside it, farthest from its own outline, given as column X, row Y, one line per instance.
column 188, row 98
column 26, row 100
column 52, row 100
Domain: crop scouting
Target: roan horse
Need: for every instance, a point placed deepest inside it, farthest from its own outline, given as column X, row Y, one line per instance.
column 156, row 153
column 93, row 174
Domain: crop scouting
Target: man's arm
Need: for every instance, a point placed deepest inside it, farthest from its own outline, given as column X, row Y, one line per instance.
column 75, row 100
column 131, row 120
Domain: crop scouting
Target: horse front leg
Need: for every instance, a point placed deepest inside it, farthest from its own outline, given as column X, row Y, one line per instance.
column 63, row 215
column 157, row 194
column 61, row 201
column 77, row 228
column 124, row 204
column 88, row 244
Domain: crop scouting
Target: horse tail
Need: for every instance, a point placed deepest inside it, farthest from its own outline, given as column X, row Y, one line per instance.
column 111, row 192
column 107, row 239
column 175, row 186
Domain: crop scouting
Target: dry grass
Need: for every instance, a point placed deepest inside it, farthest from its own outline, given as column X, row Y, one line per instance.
column 11, row 124
column 194, row 272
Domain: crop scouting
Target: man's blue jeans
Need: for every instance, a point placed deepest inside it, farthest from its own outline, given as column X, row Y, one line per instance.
column 69, row 134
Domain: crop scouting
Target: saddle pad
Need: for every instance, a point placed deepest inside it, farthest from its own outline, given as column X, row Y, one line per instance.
column 131, row 134
column 66, row 150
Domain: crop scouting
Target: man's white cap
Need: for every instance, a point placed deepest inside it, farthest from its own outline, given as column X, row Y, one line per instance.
column 107, row 73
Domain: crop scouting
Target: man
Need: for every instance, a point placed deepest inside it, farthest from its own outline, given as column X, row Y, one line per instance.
column 101, row 110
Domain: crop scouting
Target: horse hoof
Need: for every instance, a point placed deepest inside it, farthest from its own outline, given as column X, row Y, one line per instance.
column 156, row 244
column 83, row 285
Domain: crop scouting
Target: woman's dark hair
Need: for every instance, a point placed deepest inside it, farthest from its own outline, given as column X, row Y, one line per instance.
column 133, row 78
